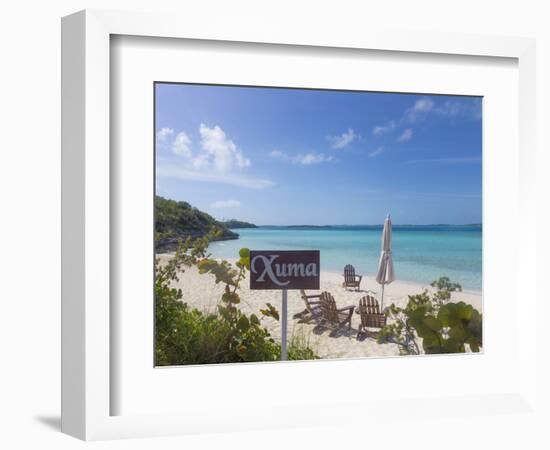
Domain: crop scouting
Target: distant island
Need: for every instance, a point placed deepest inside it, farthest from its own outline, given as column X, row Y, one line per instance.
column 176, row 220
column 307, row 227
column 235, row 224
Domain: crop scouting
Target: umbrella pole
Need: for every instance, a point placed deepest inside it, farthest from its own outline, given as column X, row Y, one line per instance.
column 382, row 300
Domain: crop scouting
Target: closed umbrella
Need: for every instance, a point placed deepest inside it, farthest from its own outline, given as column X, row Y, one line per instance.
column 385, row 274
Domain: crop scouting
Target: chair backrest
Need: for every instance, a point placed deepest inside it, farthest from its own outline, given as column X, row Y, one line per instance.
column 328, row 307
column 305, row 299
column 349, row 273
column 369, row 305
column 369, row 311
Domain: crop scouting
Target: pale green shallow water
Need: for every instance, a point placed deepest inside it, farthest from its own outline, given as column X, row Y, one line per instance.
column 421, row 254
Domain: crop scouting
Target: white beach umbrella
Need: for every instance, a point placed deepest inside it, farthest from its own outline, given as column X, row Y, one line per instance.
column 385, row 274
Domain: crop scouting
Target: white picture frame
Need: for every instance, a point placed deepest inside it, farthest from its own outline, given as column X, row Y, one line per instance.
column 87, row 353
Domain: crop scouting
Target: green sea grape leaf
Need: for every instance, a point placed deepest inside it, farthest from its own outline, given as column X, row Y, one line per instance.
column 244, row 258
column 465, row 311
column 458, row 332
column 432, row 323
column 243, row 323
column 270, row 311
column 431, row 343
column 244, row 262
column 221, row 270
column 452, row 345
column 474, row 347
column 231, row 297
column 446, row 314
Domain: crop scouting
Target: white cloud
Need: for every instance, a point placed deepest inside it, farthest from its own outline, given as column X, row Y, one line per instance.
column 311, row 158
column 226, row 204
column 383, row 129
column 423, row 105
column 224, row 154
column 418, row 111
column 406, row 135
column 200, row 162
column 304, row 159
column 454, row 108
column 182, row 145
column 376, row 152
column 421, row 108
column 216, row 160
column 164, row 133
column 449, row 109
column 343, row 140
column 277, row 154
column 238, row 179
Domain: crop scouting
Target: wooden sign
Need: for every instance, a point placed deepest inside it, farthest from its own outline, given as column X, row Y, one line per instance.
column 282, row 269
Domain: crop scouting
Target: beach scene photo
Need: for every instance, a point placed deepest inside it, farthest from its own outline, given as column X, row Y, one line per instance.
column 384, row 189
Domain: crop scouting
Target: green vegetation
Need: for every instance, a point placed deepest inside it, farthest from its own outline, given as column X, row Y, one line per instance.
column 444, row 288
column 443, row 326
column 175, row 221
column 233, row 223
column 299, row 347
column 185, row 335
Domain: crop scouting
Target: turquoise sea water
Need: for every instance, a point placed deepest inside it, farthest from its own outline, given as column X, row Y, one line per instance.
column 420, row 253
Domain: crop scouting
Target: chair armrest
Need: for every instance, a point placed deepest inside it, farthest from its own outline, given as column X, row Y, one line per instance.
column 346, row 308
column 313, row 296
column 359, row 276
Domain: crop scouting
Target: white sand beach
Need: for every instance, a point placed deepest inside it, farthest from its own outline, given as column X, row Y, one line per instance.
column 201, row 292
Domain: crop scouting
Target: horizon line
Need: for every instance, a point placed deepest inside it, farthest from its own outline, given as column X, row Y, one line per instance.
column 372, row 225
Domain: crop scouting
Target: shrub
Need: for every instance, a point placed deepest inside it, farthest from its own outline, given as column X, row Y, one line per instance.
column 444, row 327
column 185, row 335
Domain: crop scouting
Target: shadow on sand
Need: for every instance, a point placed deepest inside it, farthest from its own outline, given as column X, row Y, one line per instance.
column 344, row 331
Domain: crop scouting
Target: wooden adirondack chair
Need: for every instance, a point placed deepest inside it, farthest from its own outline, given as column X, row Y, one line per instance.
column 371, row 317
column 312, row 307
column 333, row 316
column 351, row 279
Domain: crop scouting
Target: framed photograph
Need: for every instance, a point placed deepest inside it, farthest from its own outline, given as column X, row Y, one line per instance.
column 311, row 170
column 274, row 215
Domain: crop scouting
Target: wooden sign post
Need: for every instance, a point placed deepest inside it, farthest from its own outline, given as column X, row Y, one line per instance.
column 284, row 269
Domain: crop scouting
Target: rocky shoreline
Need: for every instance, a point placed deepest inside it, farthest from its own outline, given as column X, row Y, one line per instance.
column 170, row 244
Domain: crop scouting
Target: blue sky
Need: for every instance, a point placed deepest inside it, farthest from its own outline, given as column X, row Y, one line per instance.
column 292, row 156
